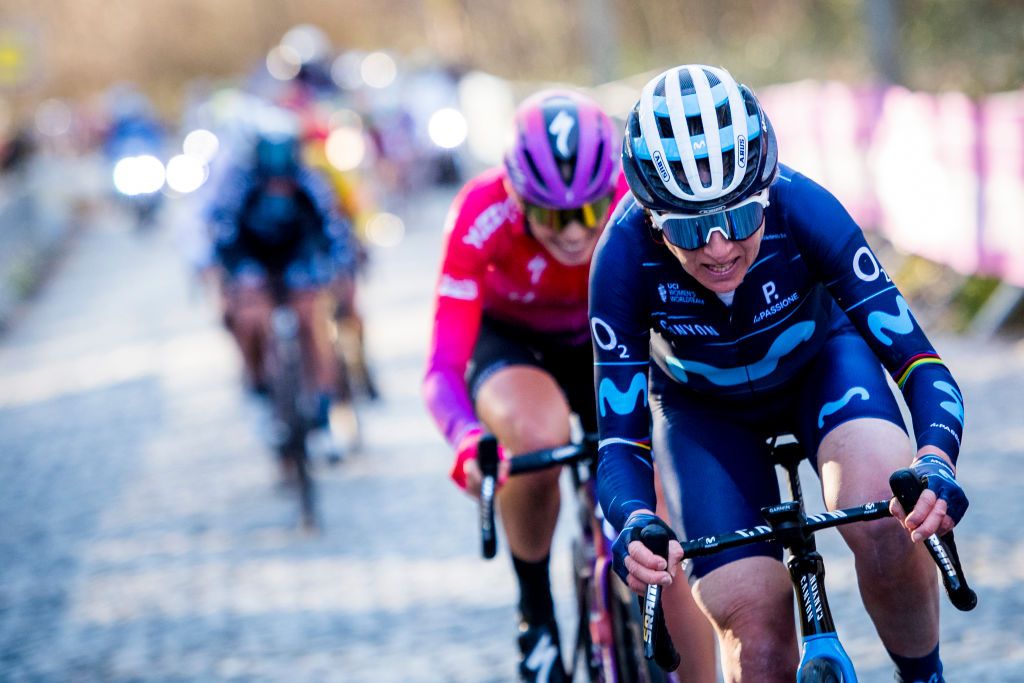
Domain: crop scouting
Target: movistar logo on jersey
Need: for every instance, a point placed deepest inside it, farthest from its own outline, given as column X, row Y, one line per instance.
column 622, row 402
column 835, row 406
column 659, row 163
column 881, row 322
column 954, row 407
column 784, row 344
column 489, row 220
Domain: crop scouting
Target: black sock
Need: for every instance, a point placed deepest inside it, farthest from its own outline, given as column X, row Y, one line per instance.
column 534, row 590
column 918, row 669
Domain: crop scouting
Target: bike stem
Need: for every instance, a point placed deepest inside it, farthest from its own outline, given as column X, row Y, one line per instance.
column 806, row 567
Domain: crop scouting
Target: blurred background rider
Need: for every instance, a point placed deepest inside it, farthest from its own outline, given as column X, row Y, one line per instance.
column 276, row 223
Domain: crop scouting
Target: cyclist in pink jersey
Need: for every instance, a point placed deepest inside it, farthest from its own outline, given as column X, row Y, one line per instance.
column 511, row 351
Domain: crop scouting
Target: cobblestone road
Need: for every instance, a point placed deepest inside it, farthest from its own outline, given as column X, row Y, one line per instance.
column 141, row 538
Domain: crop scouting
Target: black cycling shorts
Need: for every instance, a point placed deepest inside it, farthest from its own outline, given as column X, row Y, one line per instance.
column 500, row 345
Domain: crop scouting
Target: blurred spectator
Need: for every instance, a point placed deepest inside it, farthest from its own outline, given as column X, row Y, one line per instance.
column 17, row 150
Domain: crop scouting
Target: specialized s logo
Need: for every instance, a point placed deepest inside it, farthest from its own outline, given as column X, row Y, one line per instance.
column 536, row 266
column 881, row 322
column 659, row 163
column 561, row 127
column 622, row 403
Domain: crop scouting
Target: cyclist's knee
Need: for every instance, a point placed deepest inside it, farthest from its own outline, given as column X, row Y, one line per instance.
column 303, row 302
column 250, row 311
column 879, row 546
column 749, row 600
column 757, row 634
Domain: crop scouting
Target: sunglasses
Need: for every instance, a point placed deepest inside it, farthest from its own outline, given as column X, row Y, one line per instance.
column 589, row 215
column 737, row 222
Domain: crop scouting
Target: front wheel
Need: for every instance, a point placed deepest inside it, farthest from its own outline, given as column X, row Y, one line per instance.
column 627, row 630
column 820, row 670
column 586, row 664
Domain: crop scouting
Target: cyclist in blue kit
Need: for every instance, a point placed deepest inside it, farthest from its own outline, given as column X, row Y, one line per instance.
column 733, row 299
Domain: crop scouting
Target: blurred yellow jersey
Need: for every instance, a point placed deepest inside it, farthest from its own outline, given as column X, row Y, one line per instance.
column 354, row 199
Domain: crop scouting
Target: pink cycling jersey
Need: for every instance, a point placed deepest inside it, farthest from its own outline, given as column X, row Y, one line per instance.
column 492, row 266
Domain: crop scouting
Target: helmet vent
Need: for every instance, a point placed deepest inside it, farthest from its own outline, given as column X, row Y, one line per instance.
column 724, row 113
column 680, row 175
column 712, row 78
column 537, row 177
column 664, row 127
column 597, row 167
column 686, row 82
column 567, row 168
column 695, row 124
column 728, row 159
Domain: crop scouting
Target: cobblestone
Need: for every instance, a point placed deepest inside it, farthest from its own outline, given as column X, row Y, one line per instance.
column 143, row 539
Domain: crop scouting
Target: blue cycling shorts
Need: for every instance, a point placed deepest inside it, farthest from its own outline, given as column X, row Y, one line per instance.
column 717, row 449
column 307, row 272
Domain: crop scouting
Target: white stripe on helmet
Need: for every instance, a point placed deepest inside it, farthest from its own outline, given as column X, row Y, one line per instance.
column 680, row 130
column 649, row 130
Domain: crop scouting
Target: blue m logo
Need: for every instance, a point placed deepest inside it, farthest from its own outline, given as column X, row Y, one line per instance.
column 622, row 403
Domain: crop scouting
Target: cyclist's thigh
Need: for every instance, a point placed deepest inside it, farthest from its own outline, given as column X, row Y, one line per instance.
column 343, row 291
column 515, row 396
column 722, row 471
column 851, row 423
column 248, row 295
column 307, row 302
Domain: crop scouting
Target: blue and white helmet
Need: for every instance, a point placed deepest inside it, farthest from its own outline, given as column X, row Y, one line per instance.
column 697, row 141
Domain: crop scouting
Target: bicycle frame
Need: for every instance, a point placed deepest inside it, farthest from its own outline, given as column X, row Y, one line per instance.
column 290, row 400
column 794, row 530
column 603, row 624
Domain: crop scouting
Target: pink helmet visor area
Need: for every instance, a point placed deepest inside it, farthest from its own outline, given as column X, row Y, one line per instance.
column 565, row 151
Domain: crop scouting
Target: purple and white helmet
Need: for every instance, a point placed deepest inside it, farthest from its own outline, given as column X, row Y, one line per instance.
column 565, row 151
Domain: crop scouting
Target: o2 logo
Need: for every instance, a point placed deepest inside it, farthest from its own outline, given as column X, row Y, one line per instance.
column 864, row 257
column 604, row 337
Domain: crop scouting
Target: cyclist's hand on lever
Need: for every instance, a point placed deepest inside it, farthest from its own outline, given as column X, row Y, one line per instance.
column 635, row 563
column 941, row 505
column 466, row 472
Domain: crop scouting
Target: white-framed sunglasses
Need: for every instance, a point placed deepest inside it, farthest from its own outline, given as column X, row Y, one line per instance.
column 736, row 222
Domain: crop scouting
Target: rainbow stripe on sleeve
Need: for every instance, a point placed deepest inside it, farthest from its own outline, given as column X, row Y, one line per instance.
column 914, row 363
column 643, row 444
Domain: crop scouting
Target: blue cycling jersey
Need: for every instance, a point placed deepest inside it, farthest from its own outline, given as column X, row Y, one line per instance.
column 813, row 268
column 300, row 230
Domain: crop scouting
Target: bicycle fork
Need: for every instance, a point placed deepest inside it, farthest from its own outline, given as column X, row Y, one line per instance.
column 822, row 655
